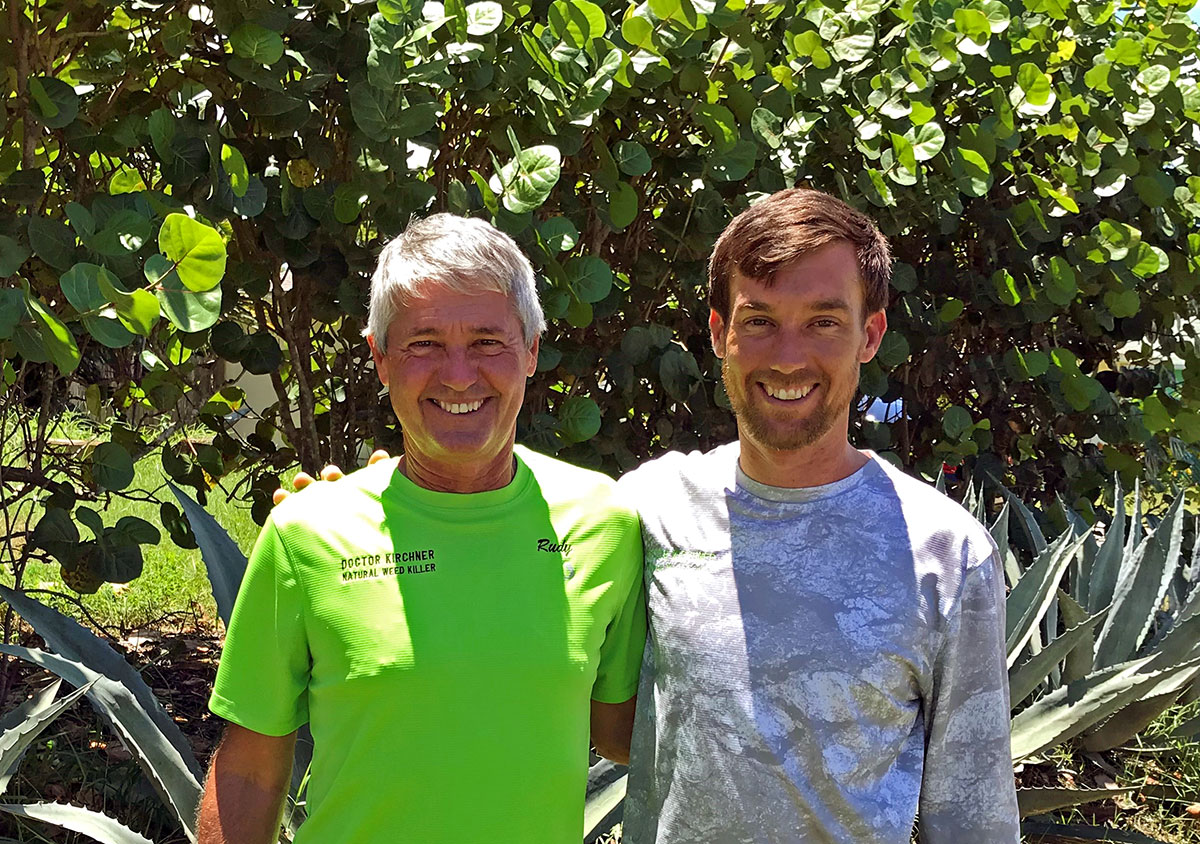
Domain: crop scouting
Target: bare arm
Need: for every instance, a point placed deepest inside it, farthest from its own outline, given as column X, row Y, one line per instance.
column 247, row 781
column 612, row 729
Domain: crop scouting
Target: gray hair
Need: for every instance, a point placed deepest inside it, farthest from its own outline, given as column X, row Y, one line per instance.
column 464, row 254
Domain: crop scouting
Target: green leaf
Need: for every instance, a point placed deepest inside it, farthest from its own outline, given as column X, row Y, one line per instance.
column 52, row 241
column 373, row 110
column 1123, row 303
column 632, row 158
column 974, row 24
column 1060, row 283
column 974, row 177
column 559, row 234
column 1155, row 189
column 81, row 287
column 124, row 232
column 1155, row 416
column 577, row 22
column 12, row 256
column 197, row 250
column 767, row 127
column 1145, row 260
column 638, row 31
column 112, row 467
column 530, row 177
column 257, row 43
column 1006, row 287
column 622, row 205
column 578, row 419
column 188, row 310
column 1080, row 390
column 349, row 200
column 854, row 47
column 235, row 167
column 1033, row 94
column 679, row 372
column 893, row 349
column 484, row 18
column 1110, row 182
column 59, row 342
column 956, row 421
column 54, row 103
column 1154, row 79
column 56, row 533
column 720, row 124
column 590, row 278
column 137, row 310
column 1116, row 238
column 12, row 311
column 930, row 139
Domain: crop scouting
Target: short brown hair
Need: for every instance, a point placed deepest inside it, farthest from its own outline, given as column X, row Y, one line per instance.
column 788, row 225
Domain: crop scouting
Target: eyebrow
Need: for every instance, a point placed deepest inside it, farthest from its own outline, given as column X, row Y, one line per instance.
column 824, row 305
column 434, row 331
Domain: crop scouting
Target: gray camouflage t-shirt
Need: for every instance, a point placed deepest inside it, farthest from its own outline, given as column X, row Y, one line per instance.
column 822, row 662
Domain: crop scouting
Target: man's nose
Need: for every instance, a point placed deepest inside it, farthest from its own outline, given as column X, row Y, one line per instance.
column 790, row 352
column 458, row 372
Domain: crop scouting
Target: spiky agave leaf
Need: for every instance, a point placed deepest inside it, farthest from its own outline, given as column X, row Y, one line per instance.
column 1140, row 591
column 95, row 825
column 1068, row 711
column 1108, row 559
column 1083, row 832
column 15, row 740
column 1026, row 676
column 1032, row 596
column 223, row 559
column 607, row 784
column 167, row 770
column 1038, row 801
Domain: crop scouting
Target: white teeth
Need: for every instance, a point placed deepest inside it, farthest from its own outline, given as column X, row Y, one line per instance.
column 459, row 407
column 789, row 395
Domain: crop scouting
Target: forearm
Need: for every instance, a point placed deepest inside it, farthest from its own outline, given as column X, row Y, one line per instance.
column 244, row 793
column 612, row 729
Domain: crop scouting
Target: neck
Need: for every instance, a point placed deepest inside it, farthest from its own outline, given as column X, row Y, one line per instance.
column 814, row 465
column 460, row 478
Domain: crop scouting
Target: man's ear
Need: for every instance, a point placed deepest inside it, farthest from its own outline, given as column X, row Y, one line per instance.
column 716, row 330
column 531, row 366
column 377, row 356
column 874, row 329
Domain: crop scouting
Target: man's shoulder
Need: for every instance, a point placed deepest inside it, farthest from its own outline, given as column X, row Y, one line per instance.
column 690, row 468
column 933, row 519
column 561, row 482
column 324, row 500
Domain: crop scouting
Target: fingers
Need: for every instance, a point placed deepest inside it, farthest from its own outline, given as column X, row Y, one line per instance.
column 302, row 480
column 332, row 473
column 279, row 496
column 376, row 456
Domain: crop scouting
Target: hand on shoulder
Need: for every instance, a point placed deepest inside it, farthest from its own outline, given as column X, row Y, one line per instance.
column 329, row 473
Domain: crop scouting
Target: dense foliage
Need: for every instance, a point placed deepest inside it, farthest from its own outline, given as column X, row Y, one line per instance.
column 187, row 184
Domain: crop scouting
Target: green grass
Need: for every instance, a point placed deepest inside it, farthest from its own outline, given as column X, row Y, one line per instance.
column 173, row 589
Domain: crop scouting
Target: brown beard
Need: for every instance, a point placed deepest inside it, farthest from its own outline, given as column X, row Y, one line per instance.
column 792, row 435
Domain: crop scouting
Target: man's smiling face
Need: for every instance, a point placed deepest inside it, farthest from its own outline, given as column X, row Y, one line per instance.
column 455, row 369
column 791, row 350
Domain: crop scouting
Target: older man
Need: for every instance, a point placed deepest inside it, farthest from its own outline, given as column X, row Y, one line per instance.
column 826, row 650
column 438, row 614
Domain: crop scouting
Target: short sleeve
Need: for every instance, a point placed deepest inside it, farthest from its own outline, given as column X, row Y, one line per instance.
column 262, row 679
column 625, row 638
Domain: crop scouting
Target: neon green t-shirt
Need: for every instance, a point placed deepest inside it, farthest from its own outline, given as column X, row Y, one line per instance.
column 443, row 649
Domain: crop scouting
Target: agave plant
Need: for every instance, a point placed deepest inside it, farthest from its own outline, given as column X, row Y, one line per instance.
column 1103, row 636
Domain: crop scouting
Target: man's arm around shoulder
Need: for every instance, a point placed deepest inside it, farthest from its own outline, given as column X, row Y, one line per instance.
column 247, row 781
